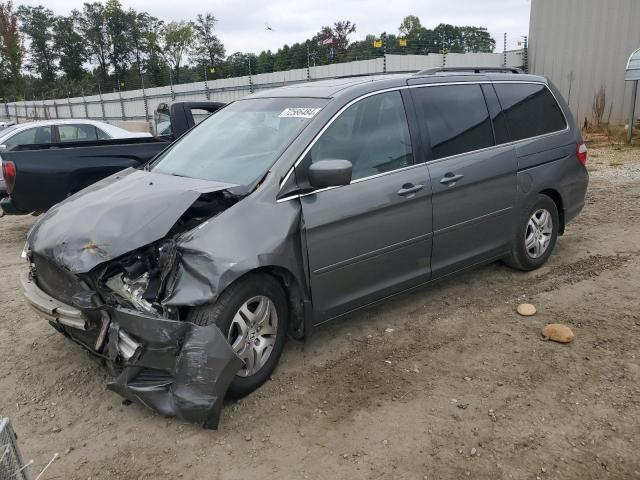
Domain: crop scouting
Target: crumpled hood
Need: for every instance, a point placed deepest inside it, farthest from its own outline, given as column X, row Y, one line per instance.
column 117, row 215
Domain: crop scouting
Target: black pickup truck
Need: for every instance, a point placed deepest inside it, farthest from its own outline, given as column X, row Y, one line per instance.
column 39, row 176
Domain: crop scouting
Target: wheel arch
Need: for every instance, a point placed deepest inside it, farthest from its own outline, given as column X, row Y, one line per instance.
column 557, row 199
column 293, row 290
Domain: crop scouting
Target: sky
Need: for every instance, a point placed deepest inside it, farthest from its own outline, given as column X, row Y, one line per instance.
column 242, row 23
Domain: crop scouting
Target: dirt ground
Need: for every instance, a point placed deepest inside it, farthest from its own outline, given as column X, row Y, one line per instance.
column 447, row 382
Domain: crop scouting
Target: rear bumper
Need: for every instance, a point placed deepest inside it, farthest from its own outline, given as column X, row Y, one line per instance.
column 176, row 368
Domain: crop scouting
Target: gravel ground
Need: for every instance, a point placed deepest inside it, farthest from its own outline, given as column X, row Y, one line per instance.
column 447, row 382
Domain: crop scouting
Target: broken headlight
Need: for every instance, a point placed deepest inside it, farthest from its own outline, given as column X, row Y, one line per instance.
column 132, row 290
column 141, row 278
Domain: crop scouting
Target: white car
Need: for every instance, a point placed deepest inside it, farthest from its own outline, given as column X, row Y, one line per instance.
column 56, row 131
column 63, row 130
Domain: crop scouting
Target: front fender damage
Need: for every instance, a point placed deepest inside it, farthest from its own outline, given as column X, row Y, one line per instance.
column 134, row 254
column 179, row 369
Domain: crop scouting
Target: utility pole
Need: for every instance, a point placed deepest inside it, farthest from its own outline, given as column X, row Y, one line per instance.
column 250, row 79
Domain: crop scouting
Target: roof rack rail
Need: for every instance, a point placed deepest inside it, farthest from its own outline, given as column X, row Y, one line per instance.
column 432, row 71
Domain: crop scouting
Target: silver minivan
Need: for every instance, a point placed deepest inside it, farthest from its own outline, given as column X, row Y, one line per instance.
column 296, row 206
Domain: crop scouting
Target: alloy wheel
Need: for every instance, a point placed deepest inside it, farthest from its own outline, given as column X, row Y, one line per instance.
column 538, row 233
column 252, row 333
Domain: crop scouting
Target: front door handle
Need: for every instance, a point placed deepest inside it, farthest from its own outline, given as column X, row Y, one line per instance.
column 451, row 179
column 409, row 189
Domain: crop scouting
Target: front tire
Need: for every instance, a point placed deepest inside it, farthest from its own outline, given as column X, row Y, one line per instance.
column 253, row 314
column 535, row 235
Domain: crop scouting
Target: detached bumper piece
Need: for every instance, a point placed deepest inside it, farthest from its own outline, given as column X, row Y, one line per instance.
column 177, row 368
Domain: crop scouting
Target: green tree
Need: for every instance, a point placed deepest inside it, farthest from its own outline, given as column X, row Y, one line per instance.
column 411, row 28
column 264, row 62
column 11, row 52
column 178, row 37
column 36, row 23
column 93, row 28
column 207, row 50
column 336, row 38
column 119, row 28
column 70, row 47
column 477, row 39
column 155, row 65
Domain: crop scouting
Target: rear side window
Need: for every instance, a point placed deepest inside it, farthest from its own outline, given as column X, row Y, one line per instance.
column 31, row 136
column 77, row 133
column 531, row 109
column 456, row 117
column 372, row 134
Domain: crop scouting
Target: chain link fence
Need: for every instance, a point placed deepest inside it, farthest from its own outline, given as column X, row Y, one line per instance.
column 139, row 104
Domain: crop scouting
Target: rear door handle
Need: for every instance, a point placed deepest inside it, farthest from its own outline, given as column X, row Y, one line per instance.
column 451, row 179
column 409, row 189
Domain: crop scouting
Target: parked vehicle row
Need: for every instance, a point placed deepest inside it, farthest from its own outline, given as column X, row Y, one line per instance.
column 47, row 162
column 294, row 207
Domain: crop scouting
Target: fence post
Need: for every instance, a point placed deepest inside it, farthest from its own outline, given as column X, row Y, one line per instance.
column 250, row 79
column 308, row 62
column 6, row 108
column 55, row 107
column 504, row 54
column 104, row 116
column 86, row 107
column 144, row 98
column 70, row 106
column 634, row 92
column 206, row 84
column 173, row 94
column 384, row 52
column 526, row 55
column 35, row 109
column 121, row 102
column 15, row 104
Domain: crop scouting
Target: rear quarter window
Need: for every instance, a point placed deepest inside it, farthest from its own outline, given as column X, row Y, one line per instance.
column 531, row 110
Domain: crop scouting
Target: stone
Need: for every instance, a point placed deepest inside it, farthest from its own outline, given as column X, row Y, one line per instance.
column 558, row 333
column 526, row 309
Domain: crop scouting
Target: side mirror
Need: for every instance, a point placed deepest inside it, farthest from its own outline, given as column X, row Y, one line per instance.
column 330, row 173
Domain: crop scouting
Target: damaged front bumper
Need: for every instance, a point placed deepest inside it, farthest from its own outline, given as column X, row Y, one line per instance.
column 176, row 368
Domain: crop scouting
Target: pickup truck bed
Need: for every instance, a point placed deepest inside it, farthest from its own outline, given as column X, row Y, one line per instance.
column 47, row 174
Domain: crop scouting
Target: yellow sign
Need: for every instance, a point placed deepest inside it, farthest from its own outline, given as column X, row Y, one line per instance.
column 403, row 42
column 377, row 44
column 212, row 70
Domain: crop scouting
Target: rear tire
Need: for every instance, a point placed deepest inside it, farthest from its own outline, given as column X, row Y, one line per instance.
column 536, row 234
column 253, row 314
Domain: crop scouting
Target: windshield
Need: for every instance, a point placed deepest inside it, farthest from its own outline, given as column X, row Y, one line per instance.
column 241, row 142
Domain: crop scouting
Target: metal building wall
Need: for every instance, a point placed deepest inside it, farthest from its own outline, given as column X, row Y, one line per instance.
column 582, row 45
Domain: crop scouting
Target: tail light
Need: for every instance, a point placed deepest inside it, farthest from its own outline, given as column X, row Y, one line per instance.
column 581, row 153
column 9, row 174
